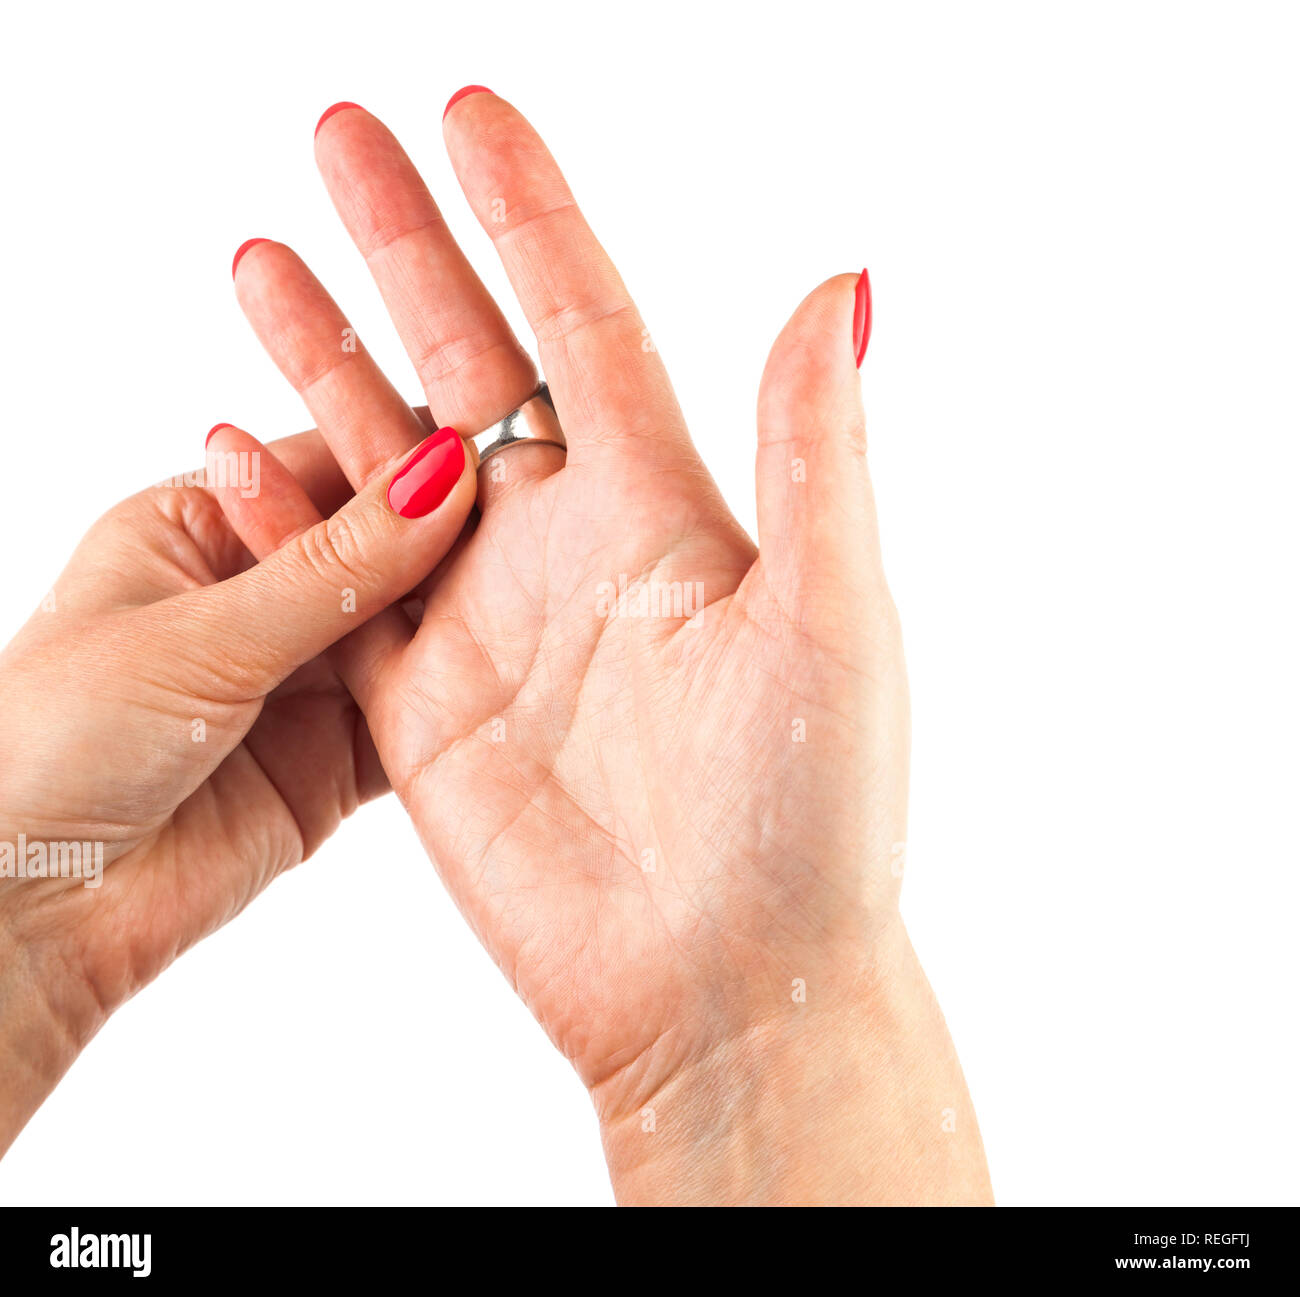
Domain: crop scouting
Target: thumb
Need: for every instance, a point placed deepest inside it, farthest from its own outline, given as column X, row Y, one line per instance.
column 816, row 518
column 250, row 632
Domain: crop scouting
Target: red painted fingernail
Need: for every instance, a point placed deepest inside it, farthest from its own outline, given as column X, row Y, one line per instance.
column 212, row 432
column 460, row 94
column 426, row 479
column 329, row 112
column 243, row 247
column 861, row 318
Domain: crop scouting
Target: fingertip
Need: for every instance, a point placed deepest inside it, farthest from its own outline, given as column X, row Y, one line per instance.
column 810, row 368
column 428, row 476
column 240, row 253
column 462, row 93
column 212, row 432
column 331, row 110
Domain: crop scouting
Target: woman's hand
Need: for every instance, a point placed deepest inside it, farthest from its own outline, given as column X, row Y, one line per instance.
column 168, row 721
column 664, row 775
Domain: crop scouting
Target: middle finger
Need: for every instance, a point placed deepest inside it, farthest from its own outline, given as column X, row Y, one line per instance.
column 469, row 362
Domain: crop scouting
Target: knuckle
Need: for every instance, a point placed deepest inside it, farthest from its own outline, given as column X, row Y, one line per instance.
column 333, row 551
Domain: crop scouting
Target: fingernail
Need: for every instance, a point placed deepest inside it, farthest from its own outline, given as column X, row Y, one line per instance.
column 460, row 94
column 212, row 432
column 861, row 318
column 426, row 479
column 329, row 112
column 243, row 247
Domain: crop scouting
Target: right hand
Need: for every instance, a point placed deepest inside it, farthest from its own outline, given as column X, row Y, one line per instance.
column 181, row 714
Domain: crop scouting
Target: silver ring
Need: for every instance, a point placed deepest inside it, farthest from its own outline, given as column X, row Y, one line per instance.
column 535, row 420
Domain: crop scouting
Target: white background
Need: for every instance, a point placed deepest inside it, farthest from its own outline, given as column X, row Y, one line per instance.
column 1082, row 387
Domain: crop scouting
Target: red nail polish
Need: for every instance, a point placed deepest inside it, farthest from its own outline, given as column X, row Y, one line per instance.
column 212, row 432
column 329, row 112
column 460, row 94
column 239, row 252
column 861, row 318
column 426, row 479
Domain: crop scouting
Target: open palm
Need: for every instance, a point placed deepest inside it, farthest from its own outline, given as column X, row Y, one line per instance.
column 663, row 776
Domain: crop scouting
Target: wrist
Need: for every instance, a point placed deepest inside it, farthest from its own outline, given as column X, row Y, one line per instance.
column 46, row 1018
column 852, row 1095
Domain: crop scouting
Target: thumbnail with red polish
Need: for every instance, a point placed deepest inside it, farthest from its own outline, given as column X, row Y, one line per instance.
column 861, row 317
column 216, row 428
column 461, row 93
column 426, row 479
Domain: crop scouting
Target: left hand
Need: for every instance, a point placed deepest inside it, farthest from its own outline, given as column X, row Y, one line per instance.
column 625, row 805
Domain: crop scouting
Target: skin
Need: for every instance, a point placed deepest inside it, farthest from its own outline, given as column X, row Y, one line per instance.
column 678, row 837
column 157, row 624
